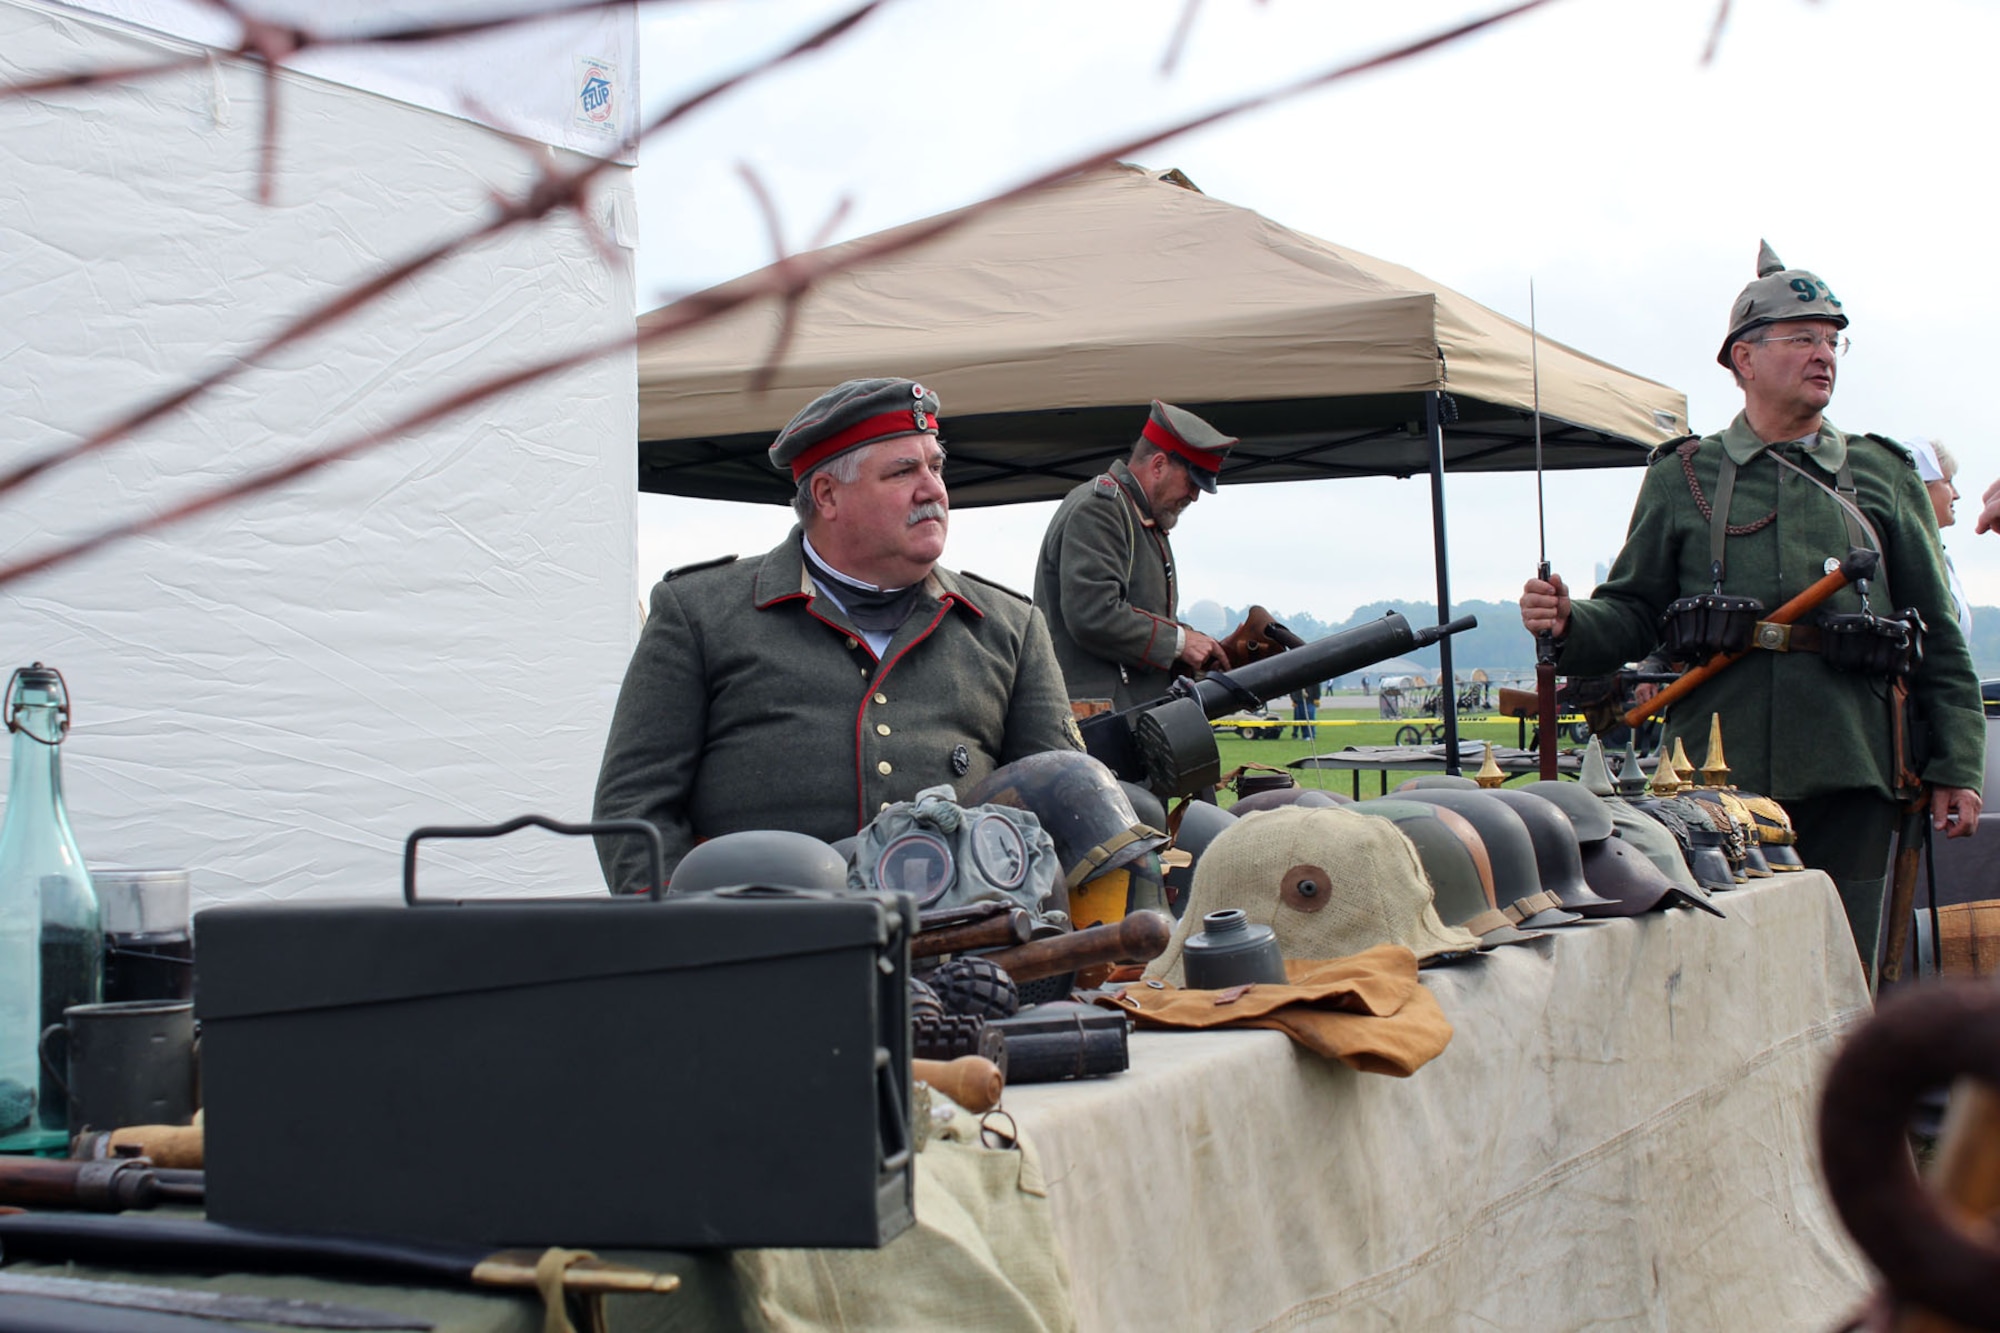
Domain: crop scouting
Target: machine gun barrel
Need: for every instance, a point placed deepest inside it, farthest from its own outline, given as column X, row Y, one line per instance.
column 1165, row 744
column 1335, row 655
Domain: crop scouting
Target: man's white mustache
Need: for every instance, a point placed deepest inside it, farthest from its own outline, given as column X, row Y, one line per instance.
column 924, row 511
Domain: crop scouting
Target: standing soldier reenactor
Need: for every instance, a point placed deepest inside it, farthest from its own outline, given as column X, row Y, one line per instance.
column 1106, row 579
column 1760, row 511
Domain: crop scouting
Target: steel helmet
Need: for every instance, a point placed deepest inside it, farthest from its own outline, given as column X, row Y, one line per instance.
column 1080, row 804
column 1509, row 849
column 771, row 858
column 1459, row 890
column 1558, row 855
column 1631, row 884
column 1587, row 812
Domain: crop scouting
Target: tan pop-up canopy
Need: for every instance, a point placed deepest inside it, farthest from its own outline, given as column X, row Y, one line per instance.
column 1046, row 326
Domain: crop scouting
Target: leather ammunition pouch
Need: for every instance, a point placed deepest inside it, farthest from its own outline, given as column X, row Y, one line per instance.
column 1871, row 645
column 1694, row 629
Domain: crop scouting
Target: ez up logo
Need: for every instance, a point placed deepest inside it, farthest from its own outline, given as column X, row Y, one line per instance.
column 1812, row 289
column 595, row 105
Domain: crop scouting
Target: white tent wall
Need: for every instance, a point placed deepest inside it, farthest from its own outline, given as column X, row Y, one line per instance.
column 274, row 693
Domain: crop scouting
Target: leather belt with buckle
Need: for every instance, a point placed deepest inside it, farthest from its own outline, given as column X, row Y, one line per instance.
column 1781, row 638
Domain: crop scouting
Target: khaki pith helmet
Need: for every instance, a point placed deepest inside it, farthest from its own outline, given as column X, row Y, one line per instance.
column 1778, row 293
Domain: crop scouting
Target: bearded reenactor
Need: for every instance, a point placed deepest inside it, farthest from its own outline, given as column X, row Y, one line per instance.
column 1106, row 577
column 1762, row 510
column 811, row 687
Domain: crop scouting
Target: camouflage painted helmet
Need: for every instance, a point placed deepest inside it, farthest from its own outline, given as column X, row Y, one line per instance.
column 1779, row 293
column 1459, row 891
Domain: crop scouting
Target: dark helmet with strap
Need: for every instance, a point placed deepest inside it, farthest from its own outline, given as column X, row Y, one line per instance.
column 1087, row 815
column 772, row 858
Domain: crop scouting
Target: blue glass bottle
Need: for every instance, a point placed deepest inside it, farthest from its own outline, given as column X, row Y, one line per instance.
column 51, row 940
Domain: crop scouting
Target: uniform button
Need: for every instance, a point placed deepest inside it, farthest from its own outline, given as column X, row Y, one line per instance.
column 881, row 698
column 881, row 728
column 854, row 643
column 884, row 769
column 864, row 673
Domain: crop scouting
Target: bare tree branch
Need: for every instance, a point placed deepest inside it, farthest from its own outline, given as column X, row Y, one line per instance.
column 788, row 280
column 554, row 189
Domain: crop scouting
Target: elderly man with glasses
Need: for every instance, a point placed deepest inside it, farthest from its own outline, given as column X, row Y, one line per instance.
column 1762, row 510
column 1105, row 578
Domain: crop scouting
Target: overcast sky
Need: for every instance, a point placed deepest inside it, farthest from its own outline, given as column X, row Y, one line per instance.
column 1584, row 147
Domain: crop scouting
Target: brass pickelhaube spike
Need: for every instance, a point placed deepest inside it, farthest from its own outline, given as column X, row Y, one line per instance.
column 1490, row 774
column 1665, row 780
column 1683, row 766
column 1714, row 772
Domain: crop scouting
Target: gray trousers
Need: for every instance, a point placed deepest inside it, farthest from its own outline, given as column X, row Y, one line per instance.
column 1849, row 836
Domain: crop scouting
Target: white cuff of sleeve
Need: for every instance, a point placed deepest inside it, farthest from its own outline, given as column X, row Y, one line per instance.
column 1180, row 641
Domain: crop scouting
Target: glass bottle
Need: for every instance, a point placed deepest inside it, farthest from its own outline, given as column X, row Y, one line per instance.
column 51, row 942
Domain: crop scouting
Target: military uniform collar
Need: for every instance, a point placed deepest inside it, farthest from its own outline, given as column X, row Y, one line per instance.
column 1123, row 476
column 782, row 576
column 1828, row 450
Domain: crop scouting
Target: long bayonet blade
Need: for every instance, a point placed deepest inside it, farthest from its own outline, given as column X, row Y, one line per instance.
column 221, row 1305
column 1545, row 642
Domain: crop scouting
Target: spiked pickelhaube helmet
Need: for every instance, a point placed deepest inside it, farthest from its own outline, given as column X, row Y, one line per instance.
column 1779, row 293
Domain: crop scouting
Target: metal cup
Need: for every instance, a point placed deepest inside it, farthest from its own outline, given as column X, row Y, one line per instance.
column 126, row 1063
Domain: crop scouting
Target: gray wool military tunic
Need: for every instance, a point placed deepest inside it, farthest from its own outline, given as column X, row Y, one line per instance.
column 1792, row 726
column 1105, row 580
column 752, row 703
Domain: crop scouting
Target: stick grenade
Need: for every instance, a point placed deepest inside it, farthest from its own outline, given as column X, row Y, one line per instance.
column 1859, row 565
column 1141, row 935
column 972, row 1081
column 996, row 931
column 1545, row 642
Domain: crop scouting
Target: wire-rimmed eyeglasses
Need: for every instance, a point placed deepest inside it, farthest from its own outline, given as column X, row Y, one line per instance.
column 1838, row 344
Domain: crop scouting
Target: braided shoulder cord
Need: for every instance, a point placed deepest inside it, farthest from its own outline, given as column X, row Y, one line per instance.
column 1687, row 452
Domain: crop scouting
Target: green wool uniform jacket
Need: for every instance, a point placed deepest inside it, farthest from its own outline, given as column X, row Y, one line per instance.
column 1105, row 580
column 1792, row 727
column 752, row 703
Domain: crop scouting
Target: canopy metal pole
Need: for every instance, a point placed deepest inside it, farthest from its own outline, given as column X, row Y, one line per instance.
column 1434, row 424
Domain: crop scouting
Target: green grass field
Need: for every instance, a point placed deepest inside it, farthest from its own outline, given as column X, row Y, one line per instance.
column 1344, row 720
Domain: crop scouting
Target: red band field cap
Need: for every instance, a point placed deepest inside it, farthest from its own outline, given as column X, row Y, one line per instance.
column 1186, row 436
column 850, row 415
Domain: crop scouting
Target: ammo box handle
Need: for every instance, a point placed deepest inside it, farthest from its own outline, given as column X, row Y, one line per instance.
column 657, row 848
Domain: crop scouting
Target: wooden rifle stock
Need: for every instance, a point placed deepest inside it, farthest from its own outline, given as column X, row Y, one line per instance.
column 1858, row 565
column 1140, row 936
column 1903, row 889
column 972, row 1081
column 111, row 1185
